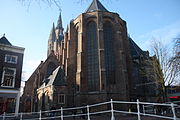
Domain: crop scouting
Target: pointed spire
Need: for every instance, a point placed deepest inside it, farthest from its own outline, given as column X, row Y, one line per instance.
column 96, row 6
column 59, row 22
column 52, row 36
column 59, row 29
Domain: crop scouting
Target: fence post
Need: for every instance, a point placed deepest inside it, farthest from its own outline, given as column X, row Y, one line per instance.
column 88, row 112
column 173, row 110
column 112, row 111
column 155, row 112
column 40, row 115
column 20, row 116
column 144, row 111
column 4, row 115
column 61, row 113
column 138, row 110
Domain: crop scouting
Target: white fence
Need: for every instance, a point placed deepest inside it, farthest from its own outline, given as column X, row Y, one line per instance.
column 111, row 109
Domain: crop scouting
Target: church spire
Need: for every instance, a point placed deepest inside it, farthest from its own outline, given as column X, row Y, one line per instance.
column 59, row 22
column 59, row 29
column 96, row 6
column 52, row 36
column 52, row 39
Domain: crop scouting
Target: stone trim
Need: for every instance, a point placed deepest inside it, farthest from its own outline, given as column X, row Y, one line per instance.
column 12, row 48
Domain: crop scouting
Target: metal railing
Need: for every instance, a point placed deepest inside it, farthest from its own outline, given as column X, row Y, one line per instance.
column 111, row 109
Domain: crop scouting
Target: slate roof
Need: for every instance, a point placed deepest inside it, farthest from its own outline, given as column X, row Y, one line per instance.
column 4, row 41
column 56, row 78
column 135, row 50
column 96, row 6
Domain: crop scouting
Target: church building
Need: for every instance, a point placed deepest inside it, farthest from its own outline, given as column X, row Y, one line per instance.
column 93, row 61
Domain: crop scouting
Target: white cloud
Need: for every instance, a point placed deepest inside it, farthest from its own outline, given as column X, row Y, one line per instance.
column 166, row 34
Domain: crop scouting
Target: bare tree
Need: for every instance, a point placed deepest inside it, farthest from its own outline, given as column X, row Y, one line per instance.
column 50, row 3
column 176, row 51
column 168, row 61
column 47, row 2
column 175, row 60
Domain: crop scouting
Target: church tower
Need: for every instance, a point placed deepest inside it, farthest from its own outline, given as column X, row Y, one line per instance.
column 51, row 40
column 59, row 29
column 55, row 38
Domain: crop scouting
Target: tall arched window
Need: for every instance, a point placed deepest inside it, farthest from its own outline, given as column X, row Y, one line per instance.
column 92, row 57
column 109, row 53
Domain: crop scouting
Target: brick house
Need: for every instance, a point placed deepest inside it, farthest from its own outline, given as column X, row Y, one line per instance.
column 11, row 61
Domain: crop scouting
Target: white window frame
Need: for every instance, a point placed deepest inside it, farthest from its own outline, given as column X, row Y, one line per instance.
column 4, row 74
column 59, row 99
column 11, row 56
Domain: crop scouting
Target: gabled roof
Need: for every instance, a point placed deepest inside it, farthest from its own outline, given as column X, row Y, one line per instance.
column 51, row 58
column 96, row 6
column 53, row 76
column 57, row 78
column 4, row 41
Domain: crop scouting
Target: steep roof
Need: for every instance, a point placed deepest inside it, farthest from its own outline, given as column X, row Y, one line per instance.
column 96, row 6
column 57, row 77
column 4, row 41
column 135, row 50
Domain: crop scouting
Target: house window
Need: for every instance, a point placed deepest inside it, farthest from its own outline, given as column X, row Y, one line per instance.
column 8, row 78
column 11, row 59
column 61, row 98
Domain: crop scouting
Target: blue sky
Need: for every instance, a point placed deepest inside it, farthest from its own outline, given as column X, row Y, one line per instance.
column 30, row 27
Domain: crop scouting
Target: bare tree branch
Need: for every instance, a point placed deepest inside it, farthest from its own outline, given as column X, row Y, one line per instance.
column 168, row 63
column 47, row 2
column 51, row 2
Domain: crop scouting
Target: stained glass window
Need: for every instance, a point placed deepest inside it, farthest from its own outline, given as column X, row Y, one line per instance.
column 109, row 53
column 92, row 57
